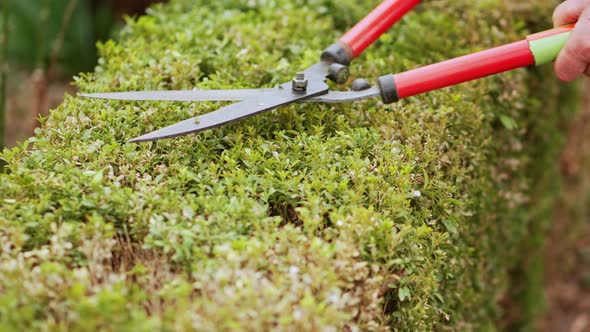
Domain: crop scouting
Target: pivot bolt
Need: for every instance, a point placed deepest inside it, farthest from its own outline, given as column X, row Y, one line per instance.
column 300, row 82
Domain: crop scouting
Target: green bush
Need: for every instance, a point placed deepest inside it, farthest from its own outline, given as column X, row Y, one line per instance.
column 361, row 216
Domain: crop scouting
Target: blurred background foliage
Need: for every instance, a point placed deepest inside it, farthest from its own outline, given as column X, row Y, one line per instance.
column 44, row 43
column 39, row 27
column 65, row 29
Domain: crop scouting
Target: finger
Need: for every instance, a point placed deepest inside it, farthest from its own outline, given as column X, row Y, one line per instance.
column 568, row 65
column 569, row 11
column 573, row 60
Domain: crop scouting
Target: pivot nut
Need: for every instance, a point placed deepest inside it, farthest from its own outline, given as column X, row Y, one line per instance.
column 300, row 82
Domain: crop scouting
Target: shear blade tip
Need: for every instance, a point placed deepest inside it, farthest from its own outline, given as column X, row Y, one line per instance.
column 90, row 95
column 139, row 139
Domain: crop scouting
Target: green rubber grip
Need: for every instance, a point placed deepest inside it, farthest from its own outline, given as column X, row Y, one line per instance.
column 546, row 49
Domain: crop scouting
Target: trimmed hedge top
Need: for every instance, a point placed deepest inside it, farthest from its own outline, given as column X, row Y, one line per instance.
column 359, row 216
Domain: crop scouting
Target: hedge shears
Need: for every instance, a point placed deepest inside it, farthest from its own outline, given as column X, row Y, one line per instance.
column 310, row 85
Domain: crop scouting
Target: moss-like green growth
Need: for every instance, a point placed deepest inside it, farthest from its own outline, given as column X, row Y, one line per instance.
column 359, row 216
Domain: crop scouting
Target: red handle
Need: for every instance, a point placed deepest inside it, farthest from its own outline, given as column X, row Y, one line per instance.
column 369, row 29
column 455, row 71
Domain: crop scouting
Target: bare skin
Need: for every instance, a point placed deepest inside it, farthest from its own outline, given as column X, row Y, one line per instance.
column 574, row 59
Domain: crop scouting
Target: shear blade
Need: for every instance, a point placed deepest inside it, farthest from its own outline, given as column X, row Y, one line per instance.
column 229, row 95
column 186, row 95
column 336, row 97
column 281, row 96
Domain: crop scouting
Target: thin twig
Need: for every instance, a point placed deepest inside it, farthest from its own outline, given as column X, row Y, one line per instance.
column 3, row 70
column 41, row 77
column 59, row 41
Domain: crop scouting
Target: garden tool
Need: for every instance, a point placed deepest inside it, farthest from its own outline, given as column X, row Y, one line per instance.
column 310, row 85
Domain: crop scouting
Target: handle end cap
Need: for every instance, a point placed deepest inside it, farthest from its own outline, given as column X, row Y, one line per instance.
column 337, row 53
column 388, row 89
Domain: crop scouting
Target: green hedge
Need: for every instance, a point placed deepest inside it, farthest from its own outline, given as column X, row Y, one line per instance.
column 361, row 216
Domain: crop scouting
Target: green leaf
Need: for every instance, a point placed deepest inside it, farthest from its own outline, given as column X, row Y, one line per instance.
column 450, row 225
column 508, row 122
column 403, row 293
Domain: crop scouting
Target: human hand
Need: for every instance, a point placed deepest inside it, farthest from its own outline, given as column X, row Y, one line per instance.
column 574, row 59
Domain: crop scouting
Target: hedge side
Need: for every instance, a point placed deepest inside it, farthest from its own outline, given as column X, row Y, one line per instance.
column 360, row 216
